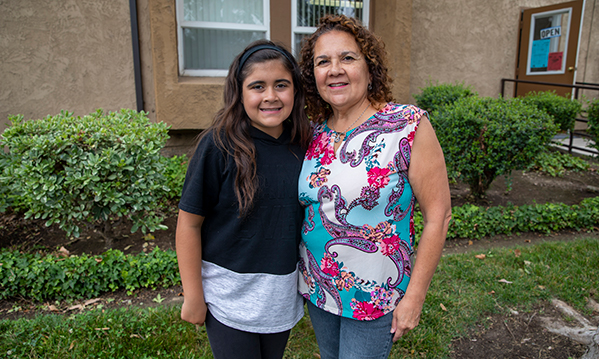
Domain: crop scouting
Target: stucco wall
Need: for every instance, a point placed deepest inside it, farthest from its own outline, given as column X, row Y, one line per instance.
column 69, row 54
column 588, row 62
column 475, row 42
column 182, row 102
column 392, row 22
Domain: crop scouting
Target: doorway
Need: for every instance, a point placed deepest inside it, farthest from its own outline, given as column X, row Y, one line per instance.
column 548, row 47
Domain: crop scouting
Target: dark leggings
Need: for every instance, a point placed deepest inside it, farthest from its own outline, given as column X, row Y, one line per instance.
column 229, row 343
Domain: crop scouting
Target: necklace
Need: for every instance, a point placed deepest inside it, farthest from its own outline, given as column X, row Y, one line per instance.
column 337, row 135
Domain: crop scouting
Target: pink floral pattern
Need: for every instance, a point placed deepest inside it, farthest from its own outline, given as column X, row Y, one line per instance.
column 378, row 177
column 329, row 266
column 365, row 310
column 321, row 146
column 359, row 227
column 389, row 245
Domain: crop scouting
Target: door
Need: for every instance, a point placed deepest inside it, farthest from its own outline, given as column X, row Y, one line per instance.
column 548, row 47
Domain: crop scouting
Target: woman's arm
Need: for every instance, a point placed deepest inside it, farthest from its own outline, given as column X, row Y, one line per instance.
column 189, row 255
column 428, row 178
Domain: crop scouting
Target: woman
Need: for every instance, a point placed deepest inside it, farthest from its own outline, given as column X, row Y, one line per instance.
column 369, row 161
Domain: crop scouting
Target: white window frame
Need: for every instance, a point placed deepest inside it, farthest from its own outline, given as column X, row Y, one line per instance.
column 181, row 24
column 531, row 37
column 306, row 30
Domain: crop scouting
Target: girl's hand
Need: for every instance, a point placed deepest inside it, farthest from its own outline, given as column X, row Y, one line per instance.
column 194, row 313
column 405, row 317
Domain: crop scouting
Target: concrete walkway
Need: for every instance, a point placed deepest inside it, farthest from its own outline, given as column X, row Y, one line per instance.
column 581, row 142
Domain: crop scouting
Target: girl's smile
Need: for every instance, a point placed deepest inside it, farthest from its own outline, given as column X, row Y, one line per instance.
column 268, row 96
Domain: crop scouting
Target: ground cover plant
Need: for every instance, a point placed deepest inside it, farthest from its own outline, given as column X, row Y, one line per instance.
column 58, row 276
column 467, row 290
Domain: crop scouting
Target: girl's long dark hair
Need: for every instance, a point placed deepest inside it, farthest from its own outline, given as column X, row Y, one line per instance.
column 231, row 125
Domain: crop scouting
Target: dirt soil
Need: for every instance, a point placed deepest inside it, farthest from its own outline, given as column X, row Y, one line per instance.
column 499, row 336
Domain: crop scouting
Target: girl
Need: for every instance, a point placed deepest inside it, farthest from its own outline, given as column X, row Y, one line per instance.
column 239, row 220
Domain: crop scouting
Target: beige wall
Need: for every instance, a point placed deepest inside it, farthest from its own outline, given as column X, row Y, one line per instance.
column 475, row 42
column 588, row 58
column 393, row 22
column 76, row 54
column 69, row 54
column 182, row 102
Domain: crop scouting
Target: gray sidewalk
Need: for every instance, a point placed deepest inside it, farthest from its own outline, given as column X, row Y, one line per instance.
column 578, row 141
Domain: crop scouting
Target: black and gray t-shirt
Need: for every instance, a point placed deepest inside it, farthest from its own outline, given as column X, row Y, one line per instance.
column 249, row 264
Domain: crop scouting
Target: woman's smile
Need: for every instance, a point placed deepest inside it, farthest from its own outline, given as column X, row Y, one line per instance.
column 340, row 71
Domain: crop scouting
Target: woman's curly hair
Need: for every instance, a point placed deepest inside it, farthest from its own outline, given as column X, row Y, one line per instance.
column 371, row 46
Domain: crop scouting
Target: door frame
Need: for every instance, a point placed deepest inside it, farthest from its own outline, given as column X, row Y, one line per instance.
column 567, row 74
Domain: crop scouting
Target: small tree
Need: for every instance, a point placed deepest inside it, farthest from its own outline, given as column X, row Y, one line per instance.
column 433, row 97
column 562, row 109
column 90, row 170
column 483, row 138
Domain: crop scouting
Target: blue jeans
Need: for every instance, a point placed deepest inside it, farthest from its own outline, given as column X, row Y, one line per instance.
column 346, row 338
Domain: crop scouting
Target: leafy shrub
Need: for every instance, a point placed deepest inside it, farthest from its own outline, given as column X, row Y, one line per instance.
column 6, row 196
column 40, row 278
column 433, row 97
column 474, row 222
column 563, row 110
column 593, row 117
column 174, row 172
column 483, row 138
column 94, row 169
column 555, row 163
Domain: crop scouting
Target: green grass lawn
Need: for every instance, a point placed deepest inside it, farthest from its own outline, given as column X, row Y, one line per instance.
column 464, row 290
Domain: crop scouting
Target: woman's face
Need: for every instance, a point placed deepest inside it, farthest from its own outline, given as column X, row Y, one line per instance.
column 340, row 70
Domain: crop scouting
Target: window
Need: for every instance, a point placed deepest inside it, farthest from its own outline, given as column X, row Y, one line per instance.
column 212, row 33
column 306, row 14
column 549, row 33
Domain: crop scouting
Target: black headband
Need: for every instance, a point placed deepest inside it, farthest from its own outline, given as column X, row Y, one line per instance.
column 249, row 53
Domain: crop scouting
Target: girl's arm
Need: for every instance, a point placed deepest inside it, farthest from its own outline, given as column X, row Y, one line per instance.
column 189, row 254
column 428, row 178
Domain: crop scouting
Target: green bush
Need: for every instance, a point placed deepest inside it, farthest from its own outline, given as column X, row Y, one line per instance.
column 593, row 117
column 563, row 110
column 174, row 172
column 6, row 196
column 433, row 97
column 46, row 277
column 483, row 138
column 90, row 170
column 475, row 222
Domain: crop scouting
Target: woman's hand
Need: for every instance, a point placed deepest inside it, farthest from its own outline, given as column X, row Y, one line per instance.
column 405, row 317
column 428, row 178
column 194, row 311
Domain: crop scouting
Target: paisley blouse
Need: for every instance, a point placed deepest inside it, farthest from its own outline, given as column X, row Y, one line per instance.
column 358, row 231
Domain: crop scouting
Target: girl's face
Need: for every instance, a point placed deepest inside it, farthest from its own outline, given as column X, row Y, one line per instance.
column 267, row 96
